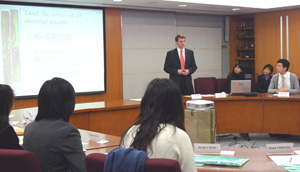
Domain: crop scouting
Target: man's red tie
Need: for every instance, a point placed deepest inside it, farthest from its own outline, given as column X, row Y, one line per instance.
column 181, row 60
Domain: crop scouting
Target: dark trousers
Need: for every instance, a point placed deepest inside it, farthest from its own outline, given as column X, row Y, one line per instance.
column 182, row 86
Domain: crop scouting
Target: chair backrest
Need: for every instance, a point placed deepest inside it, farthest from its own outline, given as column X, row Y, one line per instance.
column 205, row 85
column 18, row 161
column 221, row 85
column 253, row 84
column 95, row 163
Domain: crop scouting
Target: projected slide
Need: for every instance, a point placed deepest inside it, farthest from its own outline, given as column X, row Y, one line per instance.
column 39, row 43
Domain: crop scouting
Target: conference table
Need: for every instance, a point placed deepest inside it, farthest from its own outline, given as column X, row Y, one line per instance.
column 18, row 120
column 263, row 113
column 258, row 161
column 235, row 114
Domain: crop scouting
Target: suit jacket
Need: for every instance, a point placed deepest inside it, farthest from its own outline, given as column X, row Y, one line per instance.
column 56, row 145
column 172, row 64
column 293, row 81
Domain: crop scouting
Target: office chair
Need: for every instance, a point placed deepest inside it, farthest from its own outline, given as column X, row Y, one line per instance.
column 205, row 85
column 18, row 161
column 95, row 163
column 221, row 85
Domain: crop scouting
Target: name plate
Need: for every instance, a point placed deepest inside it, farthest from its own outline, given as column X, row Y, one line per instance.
column 94, row 136
column 283, row 94
column 196, row 96
column 207, row 148
column 282, row 148
column 220, row 95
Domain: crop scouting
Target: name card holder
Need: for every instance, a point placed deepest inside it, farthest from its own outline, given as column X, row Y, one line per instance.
column 94, row 137
column 281, row 148
column 283, row 94
column 207, row 148
column 220, row 95
column 196, row 96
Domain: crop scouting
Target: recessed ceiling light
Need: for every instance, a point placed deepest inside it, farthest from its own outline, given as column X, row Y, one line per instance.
column 182, row 5
column 117, row 0
column 235, row 9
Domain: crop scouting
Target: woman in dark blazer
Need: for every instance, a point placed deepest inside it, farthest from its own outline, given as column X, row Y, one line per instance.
column 54, row 141
column 263, row 81
column 8, row 136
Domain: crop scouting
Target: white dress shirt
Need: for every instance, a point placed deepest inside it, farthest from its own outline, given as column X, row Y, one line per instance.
column 287, row 81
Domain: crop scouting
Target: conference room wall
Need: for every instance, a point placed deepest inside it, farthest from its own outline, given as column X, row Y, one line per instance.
column 148, row 35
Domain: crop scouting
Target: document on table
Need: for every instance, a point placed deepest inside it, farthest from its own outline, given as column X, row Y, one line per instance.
column 286, row 159
column 138, row 99
column 207, row 95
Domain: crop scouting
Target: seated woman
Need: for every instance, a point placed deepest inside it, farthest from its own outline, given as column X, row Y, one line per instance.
column 263, row 81
column 8, row 136
column 237, row 74
column 159, row 129
column 54, row 141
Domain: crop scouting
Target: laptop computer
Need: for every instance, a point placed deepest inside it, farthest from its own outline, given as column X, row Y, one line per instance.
column 240, row 87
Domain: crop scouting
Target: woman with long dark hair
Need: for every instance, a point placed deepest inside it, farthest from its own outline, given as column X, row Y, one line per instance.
column 159, row 129
column 55, row 142
column 8, row 136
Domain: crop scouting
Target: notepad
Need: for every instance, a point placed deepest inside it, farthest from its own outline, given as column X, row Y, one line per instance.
column 291, row 167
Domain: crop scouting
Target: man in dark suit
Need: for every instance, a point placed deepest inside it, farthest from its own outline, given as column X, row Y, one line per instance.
column 180, row 64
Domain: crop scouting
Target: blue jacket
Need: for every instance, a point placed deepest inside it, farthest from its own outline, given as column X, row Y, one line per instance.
column 125, row 160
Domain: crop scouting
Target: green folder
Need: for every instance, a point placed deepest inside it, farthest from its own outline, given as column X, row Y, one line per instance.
column 219, row 160
column 291, row 167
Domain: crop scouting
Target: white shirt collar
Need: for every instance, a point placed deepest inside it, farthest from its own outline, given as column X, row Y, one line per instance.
column 286, row 75
column 178, row 49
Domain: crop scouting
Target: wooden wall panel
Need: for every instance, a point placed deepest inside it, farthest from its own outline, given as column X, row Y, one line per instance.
column 114, row 82
column 114, row 122
column 294, row 40
column 81, row 120
column 267, row 39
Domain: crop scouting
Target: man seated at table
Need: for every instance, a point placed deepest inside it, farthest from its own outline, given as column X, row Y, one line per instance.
column 284, row 81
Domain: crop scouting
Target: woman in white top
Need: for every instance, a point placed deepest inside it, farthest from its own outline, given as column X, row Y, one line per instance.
column 159, row 129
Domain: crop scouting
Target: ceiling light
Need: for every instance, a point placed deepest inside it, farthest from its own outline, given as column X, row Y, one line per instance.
column 183, row 5
column 249, row 4
column 117, row 0
column 235, row 9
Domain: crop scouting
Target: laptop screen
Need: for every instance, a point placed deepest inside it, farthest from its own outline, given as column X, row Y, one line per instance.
column 240, row 86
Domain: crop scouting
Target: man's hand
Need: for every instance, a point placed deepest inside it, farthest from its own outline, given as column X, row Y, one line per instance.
column 186, row 72
column 179, row 71
column 281, row 90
